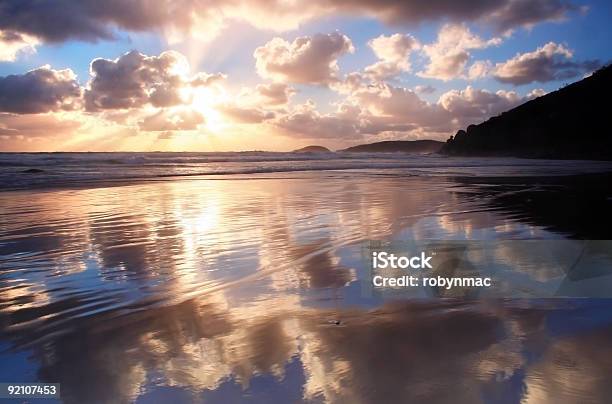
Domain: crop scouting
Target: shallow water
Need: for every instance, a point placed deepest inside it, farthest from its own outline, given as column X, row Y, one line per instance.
column 248, row 289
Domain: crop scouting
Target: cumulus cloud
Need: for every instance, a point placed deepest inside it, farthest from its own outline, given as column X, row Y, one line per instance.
column 547, row 63
column 135, row 91
column 474, row 105
column 259, row 104
column 479, row 69
column 393, row 52
column 379, row 109
column 134, row 80
column 13, row 44
column 308, row 59
column 383, row 110
column 59, row 20
column 39, row 90
column 271, row 96
column 536, row 92
column 349, row 84
column 306, row 121
column 372, row 109
column 449, row 55
column 401, row 105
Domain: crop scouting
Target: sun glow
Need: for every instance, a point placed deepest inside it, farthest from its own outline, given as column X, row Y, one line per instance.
column 205, row 101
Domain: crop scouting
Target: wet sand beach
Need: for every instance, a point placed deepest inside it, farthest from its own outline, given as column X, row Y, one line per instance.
column 248, row 288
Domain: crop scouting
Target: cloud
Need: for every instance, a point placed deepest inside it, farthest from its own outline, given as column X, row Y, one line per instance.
column 244, row 114
column 475, row 105
column 36, row 126
column 369, row 110
column 349, row 84
column 382, row 110
column 536, row 92
column 479, row 69
column 306, row 122
column 393, row 52
column 134, row 80
column 259, row 104
column 547, row 63
column 92, row 20
column 274, row 93
column 400, row 105
column 39, row 90
column 502, row 15
column 133, row 92
column 169, row 120
column 206, row 79
column 449, row 55
column 13, row 44
column 307, row 60
column 527, row 13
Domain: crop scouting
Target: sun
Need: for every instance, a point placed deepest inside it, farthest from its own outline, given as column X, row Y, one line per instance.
column 205, row 100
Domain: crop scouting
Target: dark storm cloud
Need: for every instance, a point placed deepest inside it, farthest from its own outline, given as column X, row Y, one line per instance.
column 59, row 20
column 38, row 91
column 528, row 12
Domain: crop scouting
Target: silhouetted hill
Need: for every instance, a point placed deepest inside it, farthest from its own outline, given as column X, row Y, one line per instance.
column 312, row 149
column 406, row 146
column 570, row 123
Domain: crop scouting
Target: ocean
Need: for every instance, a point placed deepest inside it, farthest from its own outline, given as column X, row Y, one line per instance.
column 28, row 170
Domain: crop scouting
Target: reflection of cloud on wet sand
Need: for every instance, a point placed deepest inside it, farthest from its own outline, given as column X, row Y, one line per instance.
column 405, row 352
column 437, row 352
column 573, row 369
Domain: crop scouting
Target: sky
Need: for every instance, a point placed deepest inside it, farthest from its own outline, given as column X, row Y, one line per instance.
column 233, row 75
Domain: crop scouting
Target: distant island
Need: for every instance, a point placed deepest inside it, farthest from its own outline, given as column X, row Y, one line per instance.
column 570, row 123
column 312, row 149
column 404, row 146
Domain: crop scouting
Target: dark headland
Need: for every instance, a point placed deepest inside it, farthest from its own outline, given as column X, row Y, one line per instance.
column 570, row 123
column 312, row 149
column 405, row 146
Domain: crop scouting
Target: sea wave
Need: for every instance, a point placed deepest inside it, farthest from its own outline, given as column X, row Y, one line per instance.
column 33, row 170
